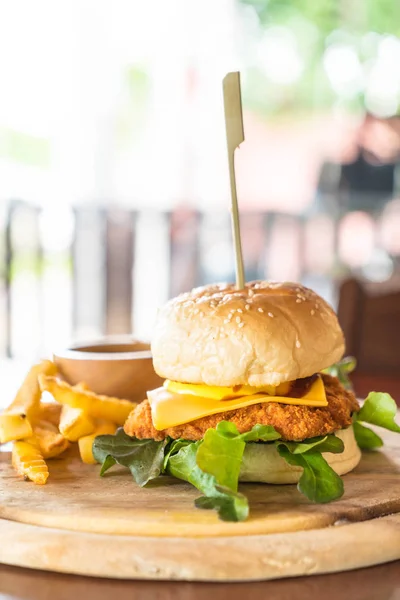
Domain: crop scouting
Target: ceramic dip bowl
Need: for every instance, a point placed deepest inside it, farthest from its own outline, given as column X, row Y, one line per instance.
column 115, row 366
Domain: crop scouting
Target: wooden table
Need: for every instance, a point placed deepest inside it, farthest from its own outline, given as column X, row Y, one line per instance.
column 376, row 583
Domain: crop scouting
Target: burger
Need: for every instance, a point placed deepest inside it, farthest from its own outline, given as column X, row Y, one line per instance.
column 246, row 397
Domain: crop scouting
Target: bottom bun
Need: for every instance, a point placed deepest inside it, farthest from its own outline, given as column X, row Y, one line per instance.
column 262, row 463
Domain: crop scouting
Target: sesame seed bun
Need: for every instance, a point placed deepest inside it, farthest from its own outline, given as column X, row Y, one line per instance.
column 262, row 463
column 265, row 334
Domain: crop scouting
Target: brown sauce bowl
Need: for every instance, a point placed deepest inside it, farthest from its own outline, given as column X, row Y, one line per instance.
column 121, row 367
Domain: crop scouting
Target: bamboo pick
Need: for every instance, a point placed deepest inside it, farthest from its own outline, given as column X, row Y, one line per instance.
column 234, row 137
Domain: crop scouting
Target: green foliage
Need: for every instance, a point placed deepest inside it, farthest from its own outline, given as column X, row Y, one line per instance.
column 222, row 449
column 131, row 118
column 231, row 505
column 24, row 148
column 315, row 25
column 378, row 409
column 326, row 443
column 366, row 438
column 328, row 15
column 144, row 458
column 342, row 370
column 318, row 482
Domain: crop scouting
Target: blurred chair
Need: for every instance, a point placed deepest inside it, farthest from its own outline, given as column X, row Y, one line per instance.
column 370, row 318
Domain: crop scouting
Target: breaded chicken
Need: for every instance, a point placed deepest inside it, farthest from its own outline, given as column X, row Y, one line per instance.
column 292, row 422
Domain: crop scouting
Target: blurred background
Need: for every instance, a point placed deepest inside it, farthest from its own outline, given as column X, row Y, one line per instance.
column 114, row 191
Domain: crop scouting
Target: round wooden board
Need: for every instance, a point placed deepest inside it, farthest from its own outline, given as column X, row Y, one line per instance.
column 233, row 558
column 81, row 523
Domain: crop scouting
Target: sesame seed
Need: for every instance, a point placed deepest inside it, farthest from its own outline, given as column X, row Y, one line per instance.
column 298, row 345
column 270, row 314
column 313, row 312
column 241, row 324
column 238, row 319
column 260, row 309
column 247, row 306
column 239, row 310
column 226, row 321
column 196, row 310
column 251, row 293
column 298, row 301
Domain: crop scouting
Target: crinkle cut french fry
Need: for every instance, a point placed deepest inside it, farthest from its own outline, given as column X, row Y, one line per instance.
column 16, row 421
column 95, row 406
column 74, row 423
column 14, row 425
column 28, row 395
column 28, row 461
column 86, row 443
column 49, row 440
column 50, row 412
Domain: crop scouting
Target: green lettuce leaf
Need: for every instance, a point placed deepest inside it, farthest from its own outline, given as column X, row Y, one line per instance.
column 342, row 370
column 327, row 443
column 318, row 482
column 366, row 438
column 108, row 462
column 144, row 458
column 173, row 448
column 231, row 505
column 379, row 409
column 212, row 465
column 259, row 433
column 221, row 452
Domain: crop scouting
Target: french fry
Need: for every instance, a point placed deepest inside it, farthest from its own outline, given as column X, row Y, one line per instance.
column 28, row 395
column 82, row 386
column 14, row 426
column 86, row 443
column 16, row 420
column 48, row 439
column 95, row 406
column 74, row 423
column 28, row 461
column 51, row 412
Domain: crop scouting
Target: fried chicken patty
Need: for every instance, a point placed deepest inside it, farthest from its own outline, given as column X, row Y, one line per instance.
column 292, row 422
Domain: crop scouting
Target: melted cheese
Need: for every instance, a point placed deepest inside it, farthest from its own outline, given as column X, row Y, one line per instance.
column 169, row 409
column 224, row 393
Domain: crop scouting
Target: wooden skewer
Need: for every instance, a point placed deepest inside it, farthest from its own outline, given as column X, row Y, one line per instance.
column 234, row 137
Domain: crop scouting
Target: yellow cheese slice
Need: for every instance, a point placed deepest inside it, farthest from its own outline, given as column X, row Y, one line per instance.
column 169, row 409
column 224, row 393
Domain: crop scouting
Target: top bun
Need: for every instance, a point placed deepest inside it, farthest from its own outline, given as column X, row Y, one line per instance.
column 265, row 334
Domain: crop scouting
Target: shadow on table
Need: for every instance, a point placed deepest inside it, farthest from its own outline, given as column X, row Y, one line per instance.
column 376, row 583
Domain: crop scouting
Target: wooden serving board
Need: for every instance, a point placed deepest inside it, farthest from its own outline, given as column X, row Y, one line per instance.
column 81, row 523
